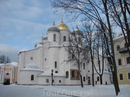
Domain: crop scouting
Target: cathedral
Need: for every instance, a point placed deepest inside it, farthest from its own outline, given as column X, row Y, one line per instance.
column 45, row 64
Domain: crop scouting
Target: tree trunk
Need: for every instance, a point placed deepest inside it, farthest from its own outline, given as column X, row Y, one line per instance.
column 81, row 80
column 100, row 79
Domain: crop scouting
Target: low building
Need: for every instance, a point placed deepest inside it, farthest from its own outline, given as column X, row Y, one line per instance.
column 122, row 60
column 9, row 72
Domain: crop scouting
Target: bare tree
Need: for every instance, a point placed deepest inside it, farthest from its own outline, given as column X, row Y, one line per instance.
column 8, row 60
column 98, row 13
column 76, row 51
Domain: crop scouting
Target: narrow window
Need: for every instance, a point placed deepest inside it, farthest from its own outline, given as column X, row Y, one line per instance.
column 54, row 37
column 84, row 79
column 67, row 74
column 83, row 65
column 72, row 56
column 79, row 40
column 77, row 74
column 118, row 47
column 55, row 64
column 98, row 78
column 128, row 76
column 121, row 76
column 56, row 71
column 59, row 81
column 64, row 38
column 47, row 80
column 45, row 59
column 31, row 58
column 73, row 74
column 32, row 77
column 119, row 62
column 128, row 60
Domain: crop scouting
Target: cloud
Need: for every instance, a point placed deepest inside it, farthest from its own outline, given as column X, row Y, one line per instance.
column 11, row 52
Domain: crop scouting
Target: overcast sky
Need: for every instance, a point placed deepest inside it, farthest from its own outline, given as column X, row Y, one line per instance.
column 22, row 23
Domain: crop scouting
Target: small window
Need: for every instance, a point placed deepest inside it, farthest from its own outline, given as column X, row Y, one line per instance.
column 56, row 71
column 32, row 77
column 121, row 76
column 83, row 65
column 119, row 62
column 7, row 73
column 67, row 74
column 73, row 74
column 129, row 76
column 59, row 81
column 55, row 64
column 88, row 70
column 77, row 74
column 31, row 58
column 84, row 79
column 54, row 37
column 45, row 59
column 47, row 80
column 79, row 40
column 64, row 38
column 128, row 60
column 118, row 47
column 98, row 78
column 72, row 56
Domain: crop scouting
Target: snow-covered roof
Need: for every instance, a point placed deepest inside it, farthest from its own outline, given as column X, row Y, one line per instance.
column 32, row 66
column 14, row 63
column 1, row 64
column 47, row 73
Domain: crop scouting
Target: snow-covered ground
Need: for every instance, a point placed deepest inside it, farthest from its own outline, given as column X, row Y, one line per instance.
column 63, row 91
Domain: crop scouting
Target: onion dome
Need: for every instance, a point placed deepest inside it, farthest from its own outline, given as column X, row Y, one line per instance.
column 77, row 31
column 63, row 26
column 54, row 28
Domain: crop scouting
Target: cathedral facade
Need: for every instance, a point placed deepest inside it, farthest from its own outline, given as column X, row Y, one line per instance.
column 45, row 64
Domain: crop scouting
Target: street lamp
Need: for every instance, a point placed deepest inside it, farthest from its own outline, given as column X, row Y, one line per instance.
column 52, row 76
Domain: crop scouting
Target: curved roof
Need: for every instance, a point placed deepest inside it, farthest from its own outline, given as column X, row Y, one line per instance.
column 63, row 26
column 31, row 66
column 54, row 28
column 77, row 31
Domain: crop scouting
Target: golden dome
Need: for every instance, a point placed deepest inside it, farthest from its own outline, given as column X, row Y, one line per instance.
column 63, row 26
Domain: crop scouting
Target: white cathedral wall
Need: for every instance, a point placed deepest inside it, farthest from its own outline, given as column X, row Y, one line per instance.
column 64, row 33
column 50, row 36
column 25, row 76
column 53, row 54
column 57, row 79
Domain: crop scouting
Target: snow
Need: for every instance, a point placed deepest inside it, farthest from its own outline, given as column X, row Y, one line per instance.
column 14, row 63
column 47, row 73
column 63, row 91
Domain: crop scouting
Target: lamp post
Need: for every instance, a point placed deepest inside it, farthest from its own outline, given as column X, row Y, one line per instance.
column 52, row 76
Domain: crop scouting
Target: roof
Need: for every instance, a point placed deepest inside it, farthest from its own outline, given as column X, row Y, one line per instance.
column 32, row 66
column 63, row 26
column 47, row 73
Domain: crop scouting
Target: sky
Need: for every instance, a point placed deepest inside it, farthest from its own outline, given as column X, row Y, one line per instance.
column 22, row 23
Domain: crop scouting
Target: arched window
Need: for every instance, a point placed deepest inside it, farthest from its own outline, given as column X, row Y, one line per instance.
column 73, row 75
column 67, row 74
column 64, row 38
column 54, row 37
column 55, row 64
column 72, row 56
column 118, row 47
column 79, row 40
column 32, row 77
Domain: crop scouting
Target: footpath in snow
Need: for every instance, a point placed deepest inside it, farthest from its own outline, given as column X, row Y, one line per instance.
column 67, row 91
column 87, row 91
